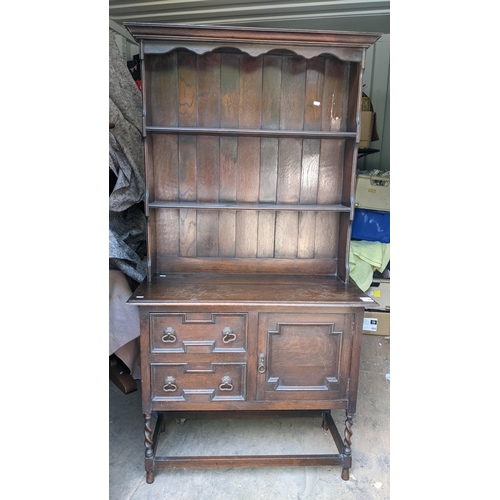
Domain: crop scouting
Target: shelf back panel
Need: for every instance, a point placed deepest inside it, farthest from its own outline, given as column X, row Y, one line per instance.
column 246, row 169
column 251, row 239
column 236, row 90
column 233, row 91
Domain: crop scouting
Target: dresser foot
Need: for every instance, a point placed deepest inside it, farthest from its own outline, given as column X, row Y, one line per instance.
column 150, row 477
column 345, row 474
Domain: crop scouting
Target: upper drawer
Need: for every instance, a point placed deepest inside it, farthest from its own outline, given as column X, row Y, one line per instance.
column 198, row 332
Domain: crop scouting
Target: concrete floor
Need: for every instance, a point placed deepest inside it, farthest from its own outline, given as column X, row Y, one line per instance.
column 370, row 444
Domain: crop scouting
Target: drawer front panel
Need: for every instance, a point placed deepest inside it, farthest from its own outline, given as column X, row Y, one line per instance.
column 304, row 356
column 198, row 382
column 198, row 332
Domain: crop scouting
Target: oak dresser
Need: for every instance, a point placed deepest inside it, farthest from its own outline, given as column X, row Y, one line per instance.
column 251, row 139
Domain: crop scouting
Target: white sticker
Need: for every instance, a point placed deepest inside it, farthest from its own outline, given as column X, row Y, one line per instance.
column 370, row 324
column 366, row 299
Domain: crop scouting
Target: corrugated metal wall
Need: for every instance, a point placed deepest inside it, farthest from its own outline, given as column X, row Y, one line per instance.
column 376, row 85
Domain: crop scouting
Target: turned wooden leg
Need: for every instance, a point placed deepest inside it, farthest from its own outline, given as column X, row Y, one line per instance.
column 324, row 424
column 149, row 453
column 347, row 446
column 148, row 436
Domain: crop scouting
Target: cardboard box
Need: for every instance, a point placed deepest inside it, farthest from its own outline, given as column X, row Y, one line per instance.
column 380, row 290
column 367, row 119
column 377, row 323
column 373, row 192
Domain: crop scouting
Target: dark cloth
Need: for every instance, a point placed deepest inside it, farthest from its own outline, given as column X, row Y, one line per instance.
column 127, row 222
column 127, row 242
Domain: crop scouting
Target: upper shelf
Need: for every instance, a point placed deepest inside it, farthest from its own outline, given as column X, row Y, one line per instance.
column 306, row 134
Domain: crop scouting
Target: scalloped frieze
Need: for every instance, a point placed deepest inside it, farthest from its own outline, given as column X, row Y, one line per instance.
column 307, row 51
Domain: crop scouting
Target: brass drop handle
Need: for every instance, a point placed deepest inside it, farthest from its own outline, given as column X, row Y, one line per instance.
column 169, row 335
column 228, row 335
column 169, row 384
column 226, row 384
column 262, row 365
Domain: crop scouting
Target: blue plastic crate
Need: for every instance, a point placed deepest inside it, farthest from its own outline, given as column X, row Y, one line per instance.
column 371, row 225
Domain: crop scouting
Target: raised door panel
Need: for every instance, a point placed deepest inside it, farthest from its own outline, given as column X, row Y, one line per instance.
column 304, row 356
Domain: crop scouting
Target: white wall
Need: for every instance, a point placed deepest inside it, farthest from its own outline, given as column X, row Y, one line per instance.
column 376, row 84
column 127, row 45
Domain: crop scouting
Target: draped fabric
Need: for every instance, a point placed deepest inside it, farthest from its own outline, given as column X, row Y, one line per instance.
column 127, row 222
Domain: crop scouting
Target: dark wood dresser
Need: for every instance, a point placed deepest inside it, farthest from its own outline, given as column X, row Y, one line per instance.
column 251, row 140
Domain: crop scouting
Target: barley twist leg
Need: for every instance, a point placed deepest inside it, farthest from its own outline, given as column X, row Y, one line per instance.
column 148, row 443
column 347, row 446
column 148, row 436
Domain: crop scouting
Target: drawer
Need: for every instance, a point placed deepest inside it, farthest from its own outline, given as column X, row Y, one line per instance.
column 198, row 332
column 198, row 382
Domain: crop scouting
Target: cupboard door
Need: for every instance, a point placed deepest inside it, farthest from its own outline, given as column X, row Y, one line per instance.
column 304, row 356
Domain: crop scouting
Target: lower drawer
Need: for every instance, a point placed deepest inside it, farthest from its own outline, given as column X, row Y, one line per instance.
column 198, row 382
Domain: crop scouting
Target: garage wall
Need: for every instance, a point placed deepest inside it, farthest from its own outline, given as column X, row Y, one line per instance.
column 376, row 84
column 127, row 45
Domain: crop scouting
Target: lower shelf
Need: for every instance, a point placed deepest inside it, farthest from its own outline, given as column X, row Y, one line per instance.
column 155, row 461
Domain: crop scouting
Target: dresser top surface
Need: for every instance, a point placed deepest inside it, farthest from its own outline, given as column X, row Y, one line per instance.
column 258, row 289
